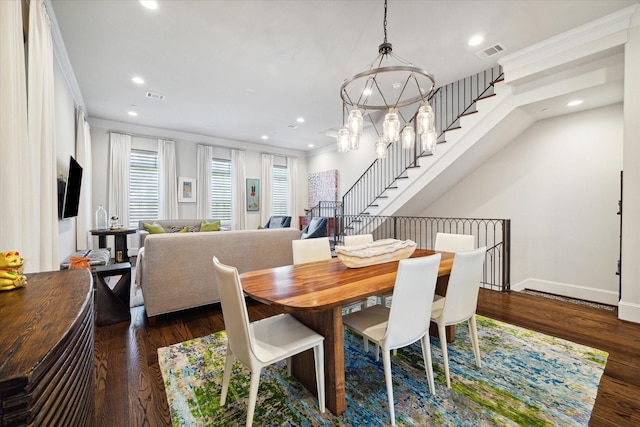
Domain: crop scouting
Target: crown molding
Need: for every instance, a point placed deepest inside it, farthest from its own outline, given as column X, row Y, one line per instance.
column 60, row 52
column 594, row 38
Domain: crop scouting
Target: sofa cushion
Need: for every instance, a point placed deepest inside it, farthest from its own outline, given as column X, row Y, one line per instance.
column 209, row 226
column 182, row 229
column 154, row 228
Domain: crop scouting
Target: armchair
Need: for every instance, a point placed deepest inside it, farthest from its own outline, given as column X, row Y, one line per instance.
column 278, row 221
column 317, row 228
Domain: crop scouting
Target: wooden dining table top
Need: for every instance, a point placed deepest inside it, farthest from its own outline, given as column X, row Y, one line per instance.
column 323, row 285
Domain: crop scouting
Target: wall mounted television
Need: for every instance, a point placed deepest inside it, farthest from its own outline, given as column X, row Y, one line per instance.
column 69, row 191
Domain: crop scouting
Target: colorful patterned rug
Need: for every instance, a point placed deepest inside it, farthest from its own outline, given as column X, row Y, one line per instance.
column 526, row 379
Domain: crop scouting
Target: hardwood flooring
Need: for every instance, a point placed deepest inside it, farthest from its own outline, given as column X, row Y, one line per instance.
column 130, row 392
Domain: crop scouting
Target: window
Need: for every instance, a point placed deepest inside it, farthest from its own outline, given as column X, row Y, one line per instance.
column 221, row 189
column 280, row 199
column 143, row 186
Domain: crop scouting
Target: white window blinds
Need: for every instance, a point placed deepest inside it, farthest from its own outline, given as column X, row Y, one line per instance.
column 221, row 189
column 280, row 200
column 143, row 186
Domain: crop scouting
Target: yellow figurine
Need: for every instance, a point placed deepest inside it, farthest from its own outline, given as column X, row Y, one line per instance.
column 11, row 273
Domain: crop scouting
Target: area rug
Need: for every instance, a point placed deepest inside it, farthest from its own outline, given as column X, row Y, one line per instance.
column 526, row 379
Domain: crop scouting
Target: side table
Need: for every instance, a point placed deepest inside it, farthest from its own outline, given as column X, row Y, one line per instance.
column 120, row 237
column 113, row 305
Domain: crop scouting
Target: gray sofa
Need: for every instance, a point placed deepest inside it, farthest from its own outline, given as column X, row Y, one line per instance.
column 175, row 270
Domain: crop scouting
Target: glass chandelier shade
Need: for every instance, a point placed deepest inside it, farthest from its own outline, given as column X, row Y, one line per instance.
column 408, row 136
column 428, row 141
column 391, row 126
column 425, row 120
column 343, row 140
column 355, row 122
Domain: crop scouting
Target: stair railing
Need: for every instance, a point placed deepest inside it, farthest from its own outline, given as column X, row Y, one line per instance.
column 494, row 234
column 449, row 103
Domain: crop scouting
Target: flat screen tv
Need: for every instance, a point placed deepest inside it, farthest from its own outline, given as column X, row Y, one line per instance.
column 70, row 197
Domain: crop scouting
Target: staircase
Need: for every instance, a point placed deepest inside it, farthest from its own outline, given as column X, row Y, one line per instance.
column 478, row 135
column 465, row 114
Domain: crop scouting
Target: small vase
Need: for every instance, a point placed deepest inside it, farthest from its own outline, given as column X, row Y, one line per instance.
column 101, row 218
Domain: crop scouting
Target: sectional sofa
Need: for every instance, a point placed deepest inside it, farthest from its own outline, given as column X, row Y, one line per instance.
column 175, row 270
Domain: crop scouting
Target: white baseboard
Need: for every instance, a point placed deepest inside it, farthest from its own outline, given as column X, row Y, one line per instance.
column 629, row 312
column 568, row 290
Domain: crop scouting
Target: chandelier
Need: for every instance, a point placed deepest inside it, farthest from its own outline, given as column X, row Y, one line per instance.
column 394, row 85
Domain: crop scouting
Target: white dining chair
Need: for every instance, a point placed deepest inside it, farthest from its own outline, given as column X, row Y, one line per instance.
column 263, row 342
column 354, row 240
column 446, row 242
column 311, row 250
column 461, row 300
column 358, row 239
column 406, row 321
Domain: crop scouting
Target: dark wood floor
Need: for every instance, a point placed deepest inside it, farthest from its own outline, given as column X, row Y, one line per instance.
column 129, row 389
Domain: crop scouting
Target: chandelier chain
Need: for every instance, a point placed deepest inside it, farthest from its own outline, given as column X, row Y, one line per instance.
column 385, row 22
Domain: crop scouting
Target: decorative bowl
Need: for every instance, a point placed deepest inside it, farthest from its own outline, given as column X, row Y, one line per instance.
column 378, row 252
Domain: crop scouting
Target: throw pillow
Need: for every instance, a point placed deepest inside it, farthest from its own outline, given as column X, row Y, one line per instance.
column 184, row 230
column 209, row 226
column 154, row 228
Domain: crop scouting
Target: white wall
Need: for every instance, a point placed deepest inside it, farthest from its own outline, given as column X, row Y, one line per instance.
column 350, row 165
column 186, row 164
column 558, row 182
column 65, row 147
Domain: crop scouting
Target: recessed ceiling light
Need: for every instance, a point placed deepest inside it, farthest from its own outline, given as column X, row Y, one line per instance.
column 137, row 80
column 476, row 40
column 366, row 92
column 574, row 103
column 310, row 145
column 132, row 113
column 149, row 4
column 300, row 120
column 265, row 137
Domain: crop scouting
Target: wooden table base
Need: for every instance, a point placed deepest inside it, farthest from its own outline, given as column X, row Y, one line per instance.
column 328, row 324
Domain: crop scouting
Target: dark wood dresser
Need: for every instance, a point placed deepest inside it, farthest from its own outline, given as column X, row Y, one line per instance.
column 46, row 351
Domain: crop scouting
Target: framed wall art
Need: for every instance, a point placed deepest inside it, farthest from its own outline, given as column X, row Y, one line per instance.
column 253, row 194
column 323, row 187
column 186, row 190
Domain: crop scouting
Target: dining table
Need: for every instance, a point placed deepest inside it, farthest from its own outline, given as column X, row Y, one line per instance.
column 315, row 293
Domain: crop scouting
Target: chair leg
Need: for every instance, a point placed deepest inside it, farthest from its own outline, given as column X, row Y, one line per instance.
column 473, row 329
column 318, row 356
column 253, row 395
column 226, row 376
column 386, row 361
column 395, row 352
column 428, row 365
column 442, row 334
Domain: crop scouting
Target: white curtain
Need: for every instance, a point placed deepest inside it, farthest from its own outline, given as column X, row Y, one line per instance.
column 266, row 196
column 13, row 135
column 292, row 170
column 84, row 221
column 204, row 155
column 41, row 184
column 168, row 180
column 238, row 189
column 119, row 153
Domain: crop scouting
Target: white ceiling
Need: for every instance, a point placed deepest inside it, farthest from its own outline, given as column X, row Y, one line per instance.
column 242, row 69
